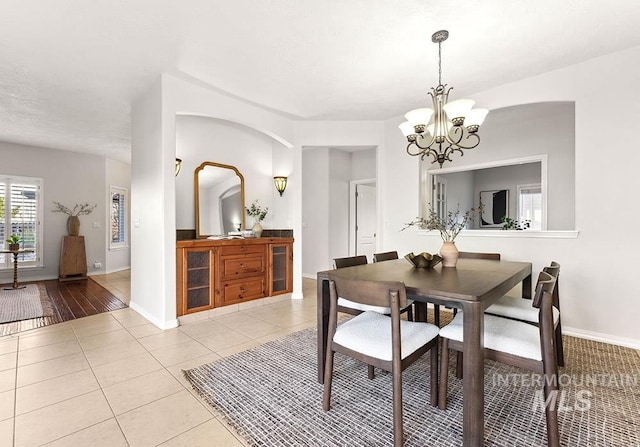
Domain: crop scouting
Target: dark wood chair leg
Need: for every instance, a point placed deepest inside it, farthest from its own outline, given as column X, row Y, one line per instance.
column 328, row 377
column 410, row 313
column 444, row 375
column 459, row 364
column 436, row 314
column 397, row 408
column 371, row 372
column 558, row 345
column 434, row 375
column 551, row 397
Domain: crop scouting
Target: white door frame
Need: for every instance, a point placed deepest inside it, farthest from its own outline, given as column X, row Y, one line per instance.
column 352, row 211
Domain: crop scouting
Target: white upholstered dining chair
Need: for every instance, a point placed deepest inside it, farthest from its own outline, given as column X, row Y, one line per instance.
column 515, row 343
column 521, row 310
column 383, row 341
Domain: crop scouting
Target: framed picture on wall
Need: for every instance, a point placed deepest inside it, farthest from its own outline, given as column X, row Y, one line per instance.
column 495, row 206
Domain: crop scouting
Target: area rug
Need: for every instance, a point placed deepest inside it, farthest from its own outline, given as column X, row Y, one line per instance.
column 271, row 397
column 20, row 304
column 46, row 310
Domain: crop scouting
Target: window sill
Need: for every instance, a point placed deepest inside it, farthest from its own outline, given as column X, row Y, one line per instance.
column 22, row 268
column 524, row 234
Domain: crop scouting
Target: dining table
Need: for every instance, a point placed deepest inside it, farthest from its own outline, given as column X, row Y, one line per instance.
column 472, row 286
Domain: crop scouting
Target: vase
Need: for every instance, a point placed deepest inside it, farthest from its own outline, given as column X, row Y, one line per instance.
column 449, row 253
column 73, row 225
column 13, row 247
column 257, row 229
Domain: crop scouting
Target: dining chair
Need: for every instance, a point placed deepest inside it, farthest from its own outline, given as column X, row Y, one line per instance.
column 352, row 308
column 390, row 256
column 383, row 341
column 386, row 256
column 518, row 344
column 521, row 310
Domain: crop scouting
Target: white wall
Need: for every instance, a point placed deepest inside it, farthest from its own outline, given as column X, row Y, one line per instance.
column 339, row 176
column 315, row 211
column 599, row 297
column 363, row 164
column 68, row 178
column 117, row 174
column 201, row 139
column 153, row 268
column 459, row 191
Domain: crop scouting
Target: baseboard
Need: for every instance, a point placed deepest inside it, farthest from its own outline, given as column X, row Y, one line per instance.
column 604, row 338
column 164, row 325
column 309, row 276
column 297, row 296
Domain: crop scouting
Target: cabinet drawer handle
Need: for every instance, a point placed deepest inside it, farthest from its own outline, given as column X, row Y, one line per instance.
column 242, row 266
column 242, row 290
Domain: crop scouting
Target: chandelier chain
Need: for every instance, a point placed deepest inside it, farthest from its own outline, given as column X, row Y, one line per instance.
column 439, row 63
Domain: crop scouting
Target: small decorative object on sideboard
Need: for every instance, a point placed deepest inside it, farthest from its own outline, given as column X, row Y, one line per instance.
column 73, row 222
column 258, row 213
column 14, row 242
column 449, row 226
column 424, row 260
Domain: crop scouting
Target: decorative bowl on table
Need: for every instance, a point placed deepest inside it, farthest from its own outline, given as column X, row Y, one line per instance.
column 424, row 260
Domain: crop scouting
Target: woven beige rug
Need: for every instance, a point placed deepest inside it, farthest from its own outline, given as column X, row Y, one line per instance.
column 271, row 396
column 21, row 304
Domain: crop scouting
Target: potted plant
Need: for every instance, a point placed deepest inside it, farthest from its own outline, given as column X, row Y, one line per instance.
column 449, row 226
column 258, row 213
column 512, row 224
column 14, row 242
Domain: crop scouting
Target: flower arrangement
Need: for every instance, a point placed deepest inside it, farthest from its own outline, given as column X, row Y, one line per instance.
column 78, row 210
column 257, row 212
column 449, row 225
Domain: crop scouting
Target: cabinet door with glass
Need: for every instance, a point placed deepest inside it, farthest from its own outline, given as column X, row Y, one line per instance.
column 195, row 279
column 281, row 268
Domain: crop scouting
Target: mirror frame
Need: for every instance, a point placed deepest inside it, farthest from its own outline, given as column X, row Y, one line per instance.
column 203, row 165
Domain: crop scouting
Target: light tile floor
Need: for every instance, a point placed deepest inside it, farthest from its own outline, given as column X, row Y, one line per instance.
column 114, row 379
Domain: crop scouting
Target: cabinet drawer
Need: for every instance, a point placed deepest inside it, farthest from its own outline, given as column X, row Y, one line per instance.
column 230, row 250
column 238, row 291
column 241, row 267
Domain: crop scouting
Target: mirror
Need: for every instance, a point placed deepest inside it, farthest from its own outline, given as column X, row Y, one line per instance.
column 219, row 199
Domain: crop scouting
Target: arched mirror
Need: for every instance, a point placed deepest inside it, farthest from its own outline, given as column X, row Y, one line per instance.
column 219, row 199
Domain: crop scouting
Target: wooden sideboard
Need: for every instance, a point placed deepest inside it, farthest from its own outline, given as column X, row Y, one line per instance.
column 214, row 273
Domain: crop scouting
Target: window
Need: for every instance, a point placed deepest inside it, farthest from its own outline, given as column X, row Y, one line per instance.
column 439, row 199
column 20, row 213
column 118, row 213
column 530, row 205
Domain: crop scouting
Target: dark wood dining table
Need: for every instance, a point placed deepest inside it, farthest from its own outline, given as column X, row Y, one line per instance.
column 473, row 285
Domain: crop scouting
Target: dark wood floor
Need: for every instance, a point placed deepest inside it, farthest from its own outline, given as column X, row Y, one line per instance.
column 69, row 300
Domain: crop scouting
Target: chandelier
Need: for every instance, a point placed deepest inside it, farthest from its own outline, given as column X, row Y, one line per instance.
column 454, row 126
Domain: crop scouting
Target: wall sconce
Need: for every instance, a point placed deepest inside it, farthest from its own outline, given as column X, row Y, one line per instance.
column 178, row 164
column 280, row 184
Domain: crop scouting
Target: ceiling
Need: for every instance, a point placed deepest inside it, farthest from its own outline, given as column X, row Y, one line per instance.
column 70, row 69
